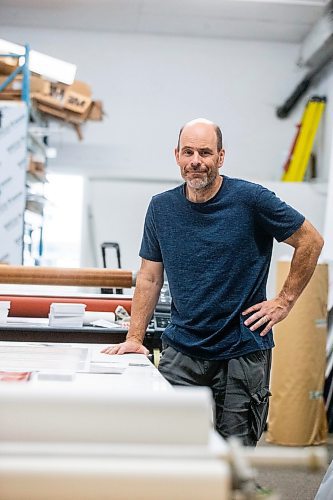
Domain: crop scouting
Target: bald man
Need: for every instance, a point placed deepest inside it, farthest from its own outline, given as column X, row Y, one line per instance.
column 214, row 235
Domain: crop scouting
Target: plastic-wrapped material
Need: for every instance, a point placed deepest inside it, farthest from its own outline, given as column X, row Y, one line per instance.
column 297, row 412
column 325, row 491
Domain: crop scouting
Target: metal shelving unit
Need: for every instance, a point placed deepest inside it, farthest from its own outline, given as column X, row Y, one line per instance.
column 24, row 70
column 35, row 200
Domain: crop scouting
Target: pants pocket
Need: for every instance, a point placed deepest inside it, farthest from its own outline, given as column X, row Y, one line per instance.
column 165, row 345
column 258, row 411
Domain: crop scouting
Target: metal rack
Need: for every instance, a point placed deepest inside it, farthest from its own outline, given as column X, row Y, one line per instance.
column 24, row 70
column 33, row 220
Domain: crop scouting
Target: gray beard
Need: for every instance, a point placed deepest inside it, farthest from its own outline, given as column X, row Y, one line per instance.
column 199, row 184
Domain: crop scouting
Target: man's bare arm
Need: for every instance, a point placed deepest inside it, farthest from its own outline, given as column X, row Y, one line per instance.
column 307, row 243
column 148, row 286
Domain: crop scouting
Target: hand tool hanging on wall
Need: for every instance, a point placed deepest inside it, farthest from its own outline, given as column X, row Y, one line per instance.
column 297, row 162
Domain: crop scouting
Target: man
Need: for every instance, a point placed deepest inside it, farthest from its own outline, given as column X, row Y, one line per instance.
column 213, row 235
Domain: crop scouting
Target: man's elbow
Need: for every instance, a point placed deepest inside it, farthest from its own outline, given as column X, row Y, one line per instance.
column 313, row 238
column 321, row 242
column 318, row 242
column 149, row 279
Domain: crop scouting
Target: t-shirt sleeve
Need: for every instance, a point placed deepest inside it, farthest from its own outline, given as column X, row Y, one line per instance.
column 150, row 247
column 278, row 218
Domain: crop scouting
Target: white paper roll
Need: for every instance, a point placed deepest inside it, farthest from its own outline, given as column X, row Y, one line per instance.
column 90, row 316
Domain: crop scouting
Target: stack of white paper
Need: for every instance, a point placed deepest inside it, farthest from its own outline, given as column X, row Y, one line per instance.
column 66, row 314
column 4, row 309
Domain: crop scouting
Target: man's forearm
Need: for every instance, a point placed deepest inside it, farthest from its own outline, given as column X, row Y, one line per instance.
column 302, row 267
column 144, row 301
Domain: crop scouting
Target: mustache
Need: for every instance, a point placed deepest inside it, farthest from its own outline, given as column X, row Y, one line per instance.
column 191, row 170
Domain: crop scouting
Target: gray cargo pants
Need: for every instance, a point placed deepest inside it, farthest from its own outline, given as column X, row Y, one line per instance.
column 240, row 388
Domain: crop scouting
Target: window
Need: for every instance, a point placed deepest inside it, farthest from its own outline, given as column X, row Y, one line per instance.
column 62, row 225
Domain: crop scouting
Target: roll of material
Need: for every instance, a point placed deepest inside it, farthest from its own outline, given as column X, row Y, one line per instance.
column 297, row 411
column 90, row 316
column 40, row 275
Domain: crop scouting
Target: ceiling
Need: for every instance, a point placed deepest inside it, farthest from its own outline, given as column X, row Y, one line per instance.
column 274, row 20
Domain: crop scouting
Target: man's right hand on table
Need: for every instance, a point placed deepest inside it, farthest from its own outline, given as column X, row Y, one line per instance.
column 129, row 346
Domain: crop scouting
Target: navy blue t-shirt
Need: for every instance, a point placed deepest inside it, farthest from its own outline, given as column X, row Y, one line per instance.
column 216, row 255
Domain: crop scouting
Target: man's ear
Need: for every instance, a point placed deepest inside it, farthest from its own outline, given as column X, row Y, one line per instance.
column 177, row 155
column 221, row 156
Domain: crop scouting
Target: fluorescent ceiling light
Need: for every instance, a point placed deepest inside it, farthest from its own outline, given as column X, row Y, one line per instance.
column 50, row 67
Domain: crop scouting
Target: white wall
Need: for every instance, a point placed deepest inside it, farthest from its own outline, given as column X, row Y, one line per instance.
column 115, row 211
column 151, row 85
column 325, row 149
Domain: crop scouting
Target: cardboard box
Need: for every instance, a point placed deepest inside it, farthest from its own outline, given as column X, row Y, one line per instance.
column 75, row 119
column 55, row 112
column 37, row 169
column 75, row 97
column 37, row 85
column 69, row 103
column 62, row 114
column 10, row 96
column 297, row 413
column 8, row 64
column 96, row 111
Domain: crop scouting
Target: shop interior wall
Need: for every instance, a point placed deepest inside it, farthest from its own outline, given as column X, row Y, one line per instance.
column 150, row 85
column 325, row 147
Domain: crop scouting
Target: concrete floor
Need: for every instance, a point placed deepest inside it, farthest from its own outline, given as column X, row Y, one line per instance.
column 293, row 484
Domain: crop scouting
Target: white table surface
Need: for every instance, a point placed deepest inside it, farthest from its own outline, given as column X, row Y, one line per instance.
column 61, row 366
